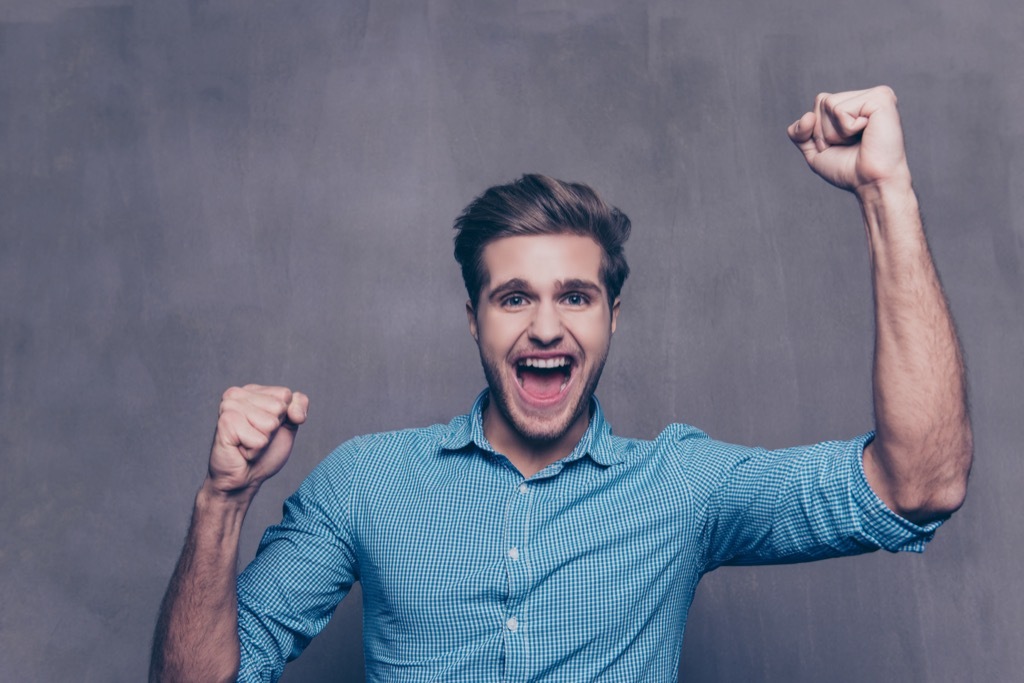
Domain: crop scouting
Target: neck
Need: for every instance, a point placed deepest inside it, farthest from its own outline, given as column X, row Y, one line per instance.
column 530, row 456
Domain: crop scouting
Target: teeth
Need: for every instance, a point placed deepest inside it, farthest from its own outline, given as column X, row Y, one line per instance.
column 545, row 363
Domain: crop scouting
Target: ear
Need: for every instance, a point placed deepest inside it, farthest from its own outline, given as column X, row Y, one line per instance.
column 471, row 316
column 615, row 313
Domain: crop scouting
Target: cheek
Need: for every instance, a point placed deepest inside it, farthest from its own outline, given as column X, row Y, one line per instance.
column 493, row 338
column 599, row 342
column 594, row 332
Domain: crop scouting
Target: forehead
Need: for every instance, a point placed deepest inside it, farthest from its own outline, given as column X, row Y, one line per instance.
column 542, row 259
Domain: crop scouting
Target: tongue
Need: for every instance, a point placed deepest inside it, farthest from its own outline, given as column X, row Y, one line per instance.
column 542, row 384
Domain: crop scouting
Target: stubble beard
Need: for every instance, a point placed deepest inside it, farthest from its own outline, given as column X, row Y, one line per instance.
column 500, row 397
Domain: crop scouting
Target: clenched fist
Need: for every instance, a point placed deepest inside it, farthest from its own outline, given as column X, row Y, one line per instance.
column 854, row 140
column 254, row 438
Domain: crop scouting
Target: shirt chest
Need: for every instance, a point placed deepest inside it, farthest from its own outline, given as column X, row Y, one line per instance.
column 472, row 548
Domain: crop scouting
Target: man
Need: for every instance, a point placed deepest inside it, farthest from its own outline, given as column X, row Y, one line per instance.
column 523, row 541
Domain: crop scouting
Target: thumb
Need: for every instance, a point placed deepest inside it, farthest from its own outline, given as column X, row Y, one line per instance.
column 801, row 133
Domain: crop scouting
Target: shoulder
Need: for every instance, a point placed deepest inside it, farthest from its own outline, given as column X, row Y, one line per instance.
column 380, row 475
column 677, row 454
column 369, row 452
column 385, row 457
column 691, row 447
column 675, row 444
column 702, row 461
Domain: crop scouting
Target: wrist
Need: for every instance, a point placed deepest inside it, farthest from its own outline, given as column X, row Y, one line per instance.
column 213, row 498
column 892, row 193
column 217, row 522
column 890, row 211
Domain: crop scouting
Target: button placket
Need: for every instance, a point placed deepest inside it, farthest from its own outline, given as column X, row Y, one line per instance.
column 517, row 570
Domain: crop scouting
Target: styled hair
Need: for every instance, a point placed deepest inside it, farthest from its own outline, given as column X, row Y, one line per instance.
column 539, row 205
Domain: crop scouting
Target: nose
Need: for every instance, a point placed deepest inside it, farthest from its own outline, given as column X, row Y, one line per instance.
column 546, row 325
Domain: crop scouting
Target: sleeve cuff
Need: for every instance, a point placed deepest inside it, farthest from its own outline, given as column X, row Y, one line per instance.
column 881, row 525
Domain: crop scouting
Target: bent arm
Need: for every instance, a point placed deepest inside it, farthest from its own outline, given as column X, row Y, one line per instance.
column 197, row 631
column 196, row 635
column 919, row 461
column 796, row 504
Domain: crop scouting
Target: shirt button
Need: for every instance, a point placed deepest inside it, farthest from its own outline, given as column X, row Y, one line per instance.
column 513, row 553
column 512, row 624
column 523, row 488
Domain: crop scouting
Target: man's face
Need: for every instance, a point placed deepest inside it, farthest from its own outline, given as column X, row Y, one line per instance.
column 543, row 324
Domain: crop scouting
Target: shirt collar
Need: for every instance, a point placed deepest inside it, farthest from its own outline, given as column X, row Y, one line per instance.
column 596, row 441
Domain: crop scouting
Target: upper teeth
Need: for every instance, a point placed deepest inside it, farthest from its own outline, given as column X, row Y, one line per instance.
column 545, row 362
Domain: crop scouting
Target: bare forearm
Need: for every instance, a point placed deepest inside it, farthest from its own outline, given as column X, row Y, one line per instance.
column 921, row 456
column 197, row 632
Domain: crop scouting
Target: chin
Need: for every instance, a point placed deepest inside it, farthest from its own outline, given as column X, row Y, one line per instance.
column 540, row 430
column 535, row 424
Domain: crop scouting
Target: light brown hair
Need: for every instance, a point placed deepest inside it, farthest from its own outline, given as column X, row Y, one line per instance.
column 539, row 205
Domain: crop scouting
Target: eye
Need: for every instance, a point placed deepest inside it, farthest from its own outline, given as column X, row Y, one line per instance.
column 576, row 299
column 513, row 301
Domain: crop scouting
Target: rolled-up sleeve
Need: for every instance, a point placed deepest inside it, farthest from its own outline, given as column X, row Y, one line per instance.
column 796, row 505
column 304, row 567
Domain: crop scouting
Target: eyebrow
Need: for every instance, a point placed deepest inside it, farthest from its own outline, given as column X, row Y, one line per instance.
column 576, row 283
column 514, row 285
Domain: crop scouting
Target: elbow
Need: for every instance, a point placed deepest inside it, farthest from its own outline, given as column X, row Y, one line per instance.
column 951, row 494
column 924, row 475
column 938, row 495
column 938, row 504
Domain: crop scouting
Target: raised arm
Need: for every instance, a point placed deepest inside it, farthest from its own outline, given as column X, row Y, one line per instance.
column 197, row 631
column 921, row 456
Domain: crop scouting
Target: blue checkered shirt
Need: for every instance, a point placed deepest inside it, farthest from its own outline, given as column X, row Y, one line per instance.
column 584, row 571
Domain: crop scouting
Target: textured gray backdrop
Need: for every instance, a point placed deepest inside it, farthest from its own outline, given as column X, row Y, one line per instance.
column 199, row 194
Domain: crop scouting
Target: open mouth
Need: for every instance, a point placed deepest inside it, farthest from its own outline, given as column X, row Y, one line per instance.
column 544, row 379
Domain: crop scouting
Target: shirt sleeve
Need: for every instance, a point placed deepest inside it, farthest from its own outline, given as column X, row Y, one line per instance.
column 798, row 505
column 304, row 567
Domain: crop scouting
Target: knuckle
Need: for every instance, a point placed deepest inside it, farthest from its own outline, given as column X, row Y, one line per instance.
column 282, row 393
column 226, row 421
column 885, row 93
column 227, row 405
column 231, row 393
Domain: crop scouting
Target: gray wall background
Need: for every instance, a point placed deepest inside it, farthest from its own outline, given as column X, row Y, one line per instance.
column 203, row 194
